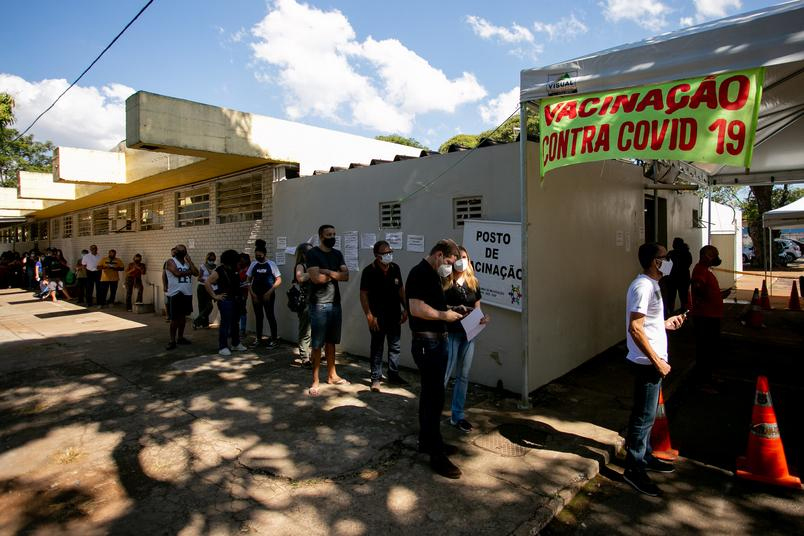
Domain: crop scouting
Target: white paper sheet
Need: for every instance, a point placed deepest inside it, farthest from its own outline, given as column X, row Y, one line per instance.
column 280, row 257
column 471, row 324
column 367, row 240
column 281, row 242
column 394, row 240
column 416, row 243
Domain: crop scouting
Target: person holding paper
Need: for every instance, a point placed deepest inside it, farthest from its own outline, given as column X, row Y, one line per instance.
column 463, row 296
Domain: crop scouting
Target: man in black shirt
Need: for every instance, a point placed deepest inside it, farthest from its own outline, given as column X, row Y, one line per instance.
column 382, row 297
column 428, row 325
column 326, row 267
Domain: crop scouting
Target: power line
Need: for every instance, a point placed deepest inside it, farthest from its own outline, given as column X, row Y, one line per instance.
column 38, row 117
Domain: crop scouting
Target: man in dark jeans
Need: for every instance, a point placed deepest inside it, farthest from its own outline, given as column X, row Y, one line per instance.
column 90, row 262
column 382, row 297
column 428, row 317
column 646, row 339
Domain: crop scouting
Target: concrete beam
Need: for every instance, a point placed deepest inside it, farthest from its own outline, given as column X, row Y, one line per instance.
column 14, row 213
column 32, row 185
column 166, row 124
column 88, row 166
column 9, row 200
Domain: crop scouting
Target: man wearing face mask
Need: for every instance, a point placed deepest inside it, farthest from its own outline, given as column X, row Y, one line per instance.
column 429, row 315
column 179, row 272
column 707, row 312
column 326, row 268
column 382, row 297
column 646, row 338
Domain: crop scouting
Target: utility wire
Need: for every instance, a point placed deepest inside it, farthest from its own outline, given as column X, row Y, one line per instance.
column 38, row 117
column 464, row 157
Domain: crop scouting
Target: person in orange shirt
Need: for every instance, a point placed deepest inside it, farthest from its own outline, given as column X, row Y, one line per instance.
column 110, row 267
column 134, row 272
column 707, row 313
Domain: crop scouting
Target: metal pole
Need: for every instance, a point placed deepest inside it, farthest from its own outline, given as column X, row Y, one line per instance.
column 655, row 215
column 709, row 217
column 524, row 401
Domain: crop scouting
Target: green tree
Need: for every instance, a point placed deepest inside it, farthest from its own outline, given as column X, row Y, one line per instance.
column 401, row 140
column 468, row 141
column 23, row 154
column 760, row 200
column 506, row 132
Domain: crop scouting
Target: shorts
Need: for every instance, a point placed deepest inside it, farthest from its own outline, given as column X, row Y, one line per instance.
column 179, row 305
column 325, row 324
column 56, row 284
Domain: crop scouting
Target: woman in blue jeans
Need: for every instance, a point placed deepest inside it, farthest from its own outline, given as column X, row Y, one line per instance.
column 463, row 295
column 223, row 285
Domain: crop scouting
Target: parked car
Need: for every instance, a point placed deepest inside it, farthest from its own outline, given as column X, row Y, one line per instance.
column 749, row 255
column 787, row 249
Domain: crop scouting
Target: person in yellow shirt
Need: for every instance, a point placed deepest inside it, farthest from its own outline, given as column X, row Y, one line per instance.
column 110, row 267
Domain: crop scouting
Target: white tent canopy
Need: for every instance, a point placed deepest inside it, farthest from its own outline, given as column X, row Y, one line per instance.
column 787, row 217
column 772, row 38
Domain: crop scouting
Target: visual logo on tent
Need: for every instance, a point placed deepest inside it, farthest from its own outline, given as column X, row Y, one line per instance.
column 562, row 83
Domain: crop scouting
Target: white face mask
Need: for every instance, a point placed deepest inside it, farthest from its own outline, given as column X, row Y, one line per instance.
column 445, row 270
column 666, row 267
column 460, row 265
column 387, row 258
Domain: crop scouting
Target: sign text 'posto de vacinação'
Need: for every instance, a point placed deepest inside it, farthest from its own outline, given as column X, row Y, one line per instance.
column 711, row 119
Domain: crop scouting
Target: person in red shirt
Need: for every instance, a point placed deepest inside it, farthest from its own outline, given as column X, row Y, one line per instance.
column 707, row 313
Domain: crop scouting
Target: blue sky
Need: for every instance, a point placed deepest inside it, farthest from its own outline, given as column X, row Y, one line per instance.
column 422, row 69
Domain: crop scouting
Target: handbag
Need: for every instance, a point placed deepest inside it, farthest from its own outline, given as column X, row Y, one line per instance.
column 297, row 301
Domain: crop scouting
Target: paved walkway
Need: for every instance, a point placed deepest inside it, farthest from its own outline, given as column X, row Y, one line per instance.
column 102, row 431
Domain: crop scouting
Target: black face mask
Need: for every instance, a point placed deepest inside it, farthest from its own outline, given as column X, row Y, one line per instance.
column 716, row 261
column 181, row 254
column 329, row 242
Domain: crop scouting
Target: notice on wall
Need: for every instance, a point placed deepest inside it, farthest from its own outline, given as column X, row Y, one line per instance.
column 394, row 240
column 281, row 242
column 280, row 257
column 350, row 250
column 338, row 243
column 496, row 252
column 313, row 240
column 367, row 240
column 290, row 251
column 619, row 240
column 415, row 242
column 191, row 243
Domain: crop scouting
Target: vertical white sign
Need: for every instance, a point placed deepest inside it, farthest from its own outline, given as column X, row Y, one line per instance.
column 496, row 252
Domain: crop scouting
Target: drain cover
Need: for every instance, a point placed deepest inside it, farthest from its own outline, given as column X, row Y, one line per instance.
column 512, row 440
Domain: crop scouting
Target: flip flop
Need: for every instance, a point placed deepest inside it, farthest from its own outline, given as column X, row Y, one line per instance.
column 313, row 391
column 341, row 381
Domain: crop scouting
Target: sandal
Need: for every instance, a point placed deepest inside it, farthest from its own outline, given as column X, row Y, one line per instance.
column 313, row 391
column 339, row 381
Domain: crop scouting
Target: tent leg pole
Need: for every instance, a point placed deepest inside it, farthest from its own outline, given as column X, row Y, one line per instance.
column 709, row 216
column 524, row 401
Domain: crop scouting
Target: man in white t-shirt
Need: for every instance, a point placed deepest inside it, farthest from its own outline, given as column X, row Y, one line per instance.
column 90, row 262
column 647, row 356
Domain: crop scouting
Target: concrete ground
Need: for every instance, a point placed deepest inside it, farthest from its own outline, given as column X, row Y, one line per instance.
column 102, row 431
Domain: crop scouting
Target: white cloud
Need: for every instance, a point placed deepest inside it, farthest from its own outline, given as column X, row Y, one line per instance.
column 499, row 108
column 566, row 29
column 87, row 116
column 650, row 14
column 714, row 9
column 326, row 71
column 685, row 22
column 485, row 30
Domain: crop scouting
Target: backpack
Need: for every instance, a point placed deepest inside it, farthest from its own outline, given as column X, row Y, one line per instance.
column 297, row 301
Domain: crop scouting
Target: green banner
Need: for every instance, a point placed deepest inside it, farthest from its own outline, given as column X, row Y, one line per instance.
column 711, row 119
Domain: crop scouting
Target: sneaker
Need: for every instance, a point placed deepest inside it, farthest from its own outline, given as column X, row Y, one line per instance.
column 640, row 481
column 240, row 348
column 224, row 352
column 375, row 386
column 659, row 466
column 462, row 424
column 395, row 379
column 270, row 344
column 442, row 466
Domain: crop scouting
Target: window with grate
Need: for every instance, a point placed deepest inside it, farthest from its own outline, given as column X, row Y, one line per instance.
column 192, row 207
column 152, row 214
column 68, row 227
column 466, row 208
column 84, row 223
column 124, row 218
column 100, row 221
column 239, row 199
column 56, row 231
column 391, row 215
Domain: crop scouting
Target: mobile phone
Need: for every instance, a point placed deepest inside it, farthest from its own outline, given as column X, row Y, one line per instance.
column 685, row 313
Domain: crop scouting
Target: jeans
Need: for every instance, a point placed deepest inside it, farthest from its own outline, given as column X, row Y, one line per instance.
column 131, row 284
column 378, row 338
column 647, row 384
column 304, row 332
column 93, row 285
column 264, row 308
column 204, row 307
column 227, row 327
column 461, row 353
column 104, row 288
column 430, row 356
column 325, row 323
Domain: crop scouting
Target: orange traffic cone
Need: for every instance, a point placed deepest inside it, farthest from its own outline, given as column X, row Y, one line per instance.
column 755, row 314
column 660, row 434
column 764, row 300
column 793, row 304
column 765, row 461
